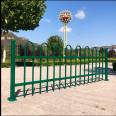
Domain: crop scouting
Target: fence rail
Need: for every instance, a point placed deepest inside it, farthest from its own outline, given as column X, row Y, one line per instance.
column 92, row 67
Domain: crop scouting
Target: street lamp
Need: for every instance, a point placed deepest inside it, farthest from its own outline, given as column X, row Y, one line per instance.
column 65, row 17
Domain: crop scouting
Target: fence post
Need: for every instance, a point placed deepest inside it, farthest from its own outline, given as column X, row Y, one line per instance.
column 12, row 73
column 106, row 64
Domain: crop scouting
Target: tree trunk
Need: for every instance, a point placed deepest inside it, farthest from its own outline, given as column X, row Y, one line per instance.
column 4, row 55
column 4, row 51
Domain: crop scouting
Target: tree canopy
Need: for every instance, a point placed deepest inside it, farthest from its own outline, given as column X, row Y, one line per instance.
column 21, row 14
column 55, row 45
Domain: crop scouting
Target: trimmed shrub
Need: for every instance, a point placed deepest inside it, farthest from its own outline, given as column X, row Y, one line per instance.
column 22, row 64
column 114, row 66
column 5, row 65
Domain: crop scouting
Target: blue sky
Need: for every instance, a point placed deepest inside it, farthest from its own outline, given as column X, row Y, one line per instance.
column 92, row 24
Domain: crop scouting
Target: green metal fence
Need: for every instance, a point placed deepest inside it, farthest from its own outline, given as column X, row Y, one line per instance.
column 53, row 71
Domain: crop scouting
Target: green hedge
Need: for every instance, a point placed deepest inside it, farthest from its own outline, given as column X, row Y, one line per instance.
column 44, row 63
column 111, row 59
column 22, row 63
column 114, row 66
column 5, row 65
column 50, row 62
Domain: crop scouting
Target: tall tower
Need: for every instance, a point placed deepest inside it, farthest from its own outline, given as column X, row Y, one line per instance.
column 65, row 17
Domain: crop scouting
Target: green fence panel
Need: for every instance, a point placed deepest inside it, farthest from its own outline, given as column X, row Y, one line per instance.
column 106, row 64
column 81, row 66
column 12, row 73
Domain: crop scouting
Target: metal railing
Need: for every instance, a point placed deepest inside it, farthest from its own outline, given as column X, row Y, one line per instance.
column 79, row 66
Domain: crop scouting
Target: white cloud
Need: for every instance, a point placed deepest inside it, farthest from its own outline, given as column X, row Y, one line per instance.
column 68, row 29
column 46, row 20
column 80, row 14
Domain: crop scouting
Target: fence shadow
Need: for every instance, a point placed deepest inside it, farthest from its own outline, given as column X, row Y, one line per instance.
column 111, row 72
column 97, row 69
column 19, row 92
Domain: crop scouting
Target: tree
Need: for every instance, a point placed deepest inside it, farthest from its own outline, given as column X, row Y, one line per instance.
column 21, row 15
column 21, row 50
column 111, row 53
column 39, row 51
column 55, row 45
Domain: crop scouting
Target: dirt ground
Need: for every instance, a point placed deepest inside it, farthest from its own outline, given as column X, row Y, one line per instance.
column 97, row 98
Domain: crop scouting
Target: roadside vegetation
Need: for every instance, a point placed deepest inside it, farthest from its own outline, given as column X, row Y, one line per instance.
column 54, row 50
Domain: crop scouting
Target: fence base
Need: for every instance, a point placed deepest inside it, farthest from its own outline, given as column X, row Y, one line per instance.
column 11, row 99
column 106, row 79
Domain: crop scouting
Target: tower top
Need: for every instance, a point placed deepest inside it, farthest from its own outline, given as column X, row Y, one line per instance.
column 65, row 16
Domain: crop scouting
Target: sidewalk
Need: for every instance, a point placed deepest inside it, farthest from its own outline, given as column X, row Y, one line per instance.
column 97, row 98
